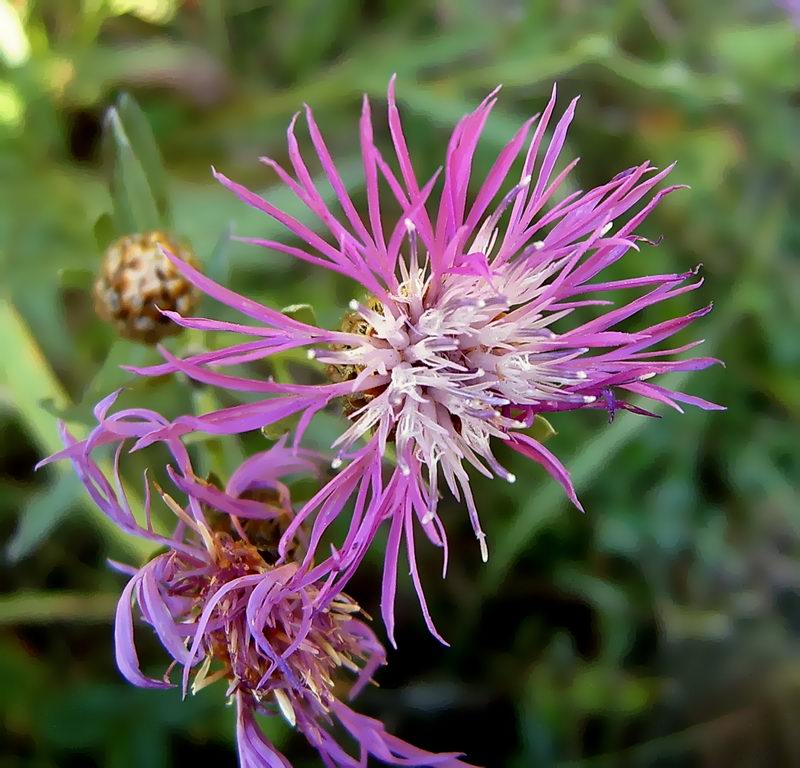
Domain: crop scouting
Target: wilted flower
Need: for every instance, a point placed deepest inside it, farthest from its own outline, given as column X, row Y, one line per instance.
column 224, row 610
column 464, row 334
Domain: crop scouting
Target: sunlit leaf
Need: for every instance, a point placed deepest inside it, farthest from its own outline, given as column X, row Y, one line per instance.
column 43, row 512
column 303, row 313
column 135, row 207
column 146, row 150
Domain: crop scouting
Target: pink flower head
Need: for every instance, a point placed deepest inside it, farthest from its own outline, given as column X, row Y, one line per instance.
column 224, row 610
column 467, row 330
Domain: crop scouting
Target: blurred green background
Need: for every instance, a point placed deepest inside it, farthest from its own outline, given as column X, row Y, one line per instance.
column 660, row 629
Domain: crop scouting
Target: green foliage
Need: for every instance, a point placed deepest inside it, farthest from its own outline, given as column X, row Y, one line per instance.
column 662, row 627
column 135, row 205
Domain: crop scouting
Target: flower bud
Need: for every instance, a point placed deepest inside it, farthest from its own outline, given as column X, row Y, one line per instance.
column 137, row 280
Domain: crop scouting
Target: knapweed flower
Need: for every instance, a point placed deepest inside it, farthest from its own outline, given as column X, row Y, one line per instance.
column 466, row 330
column 223, row 609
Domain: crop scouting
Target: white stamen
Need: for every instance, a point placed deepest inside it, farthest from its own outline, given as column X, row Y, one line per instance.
column 647, row 376
column 484, row 548
column 311, row 354
column 285, row 707
column 446, row 356
column 607, row 228
column 525, row 181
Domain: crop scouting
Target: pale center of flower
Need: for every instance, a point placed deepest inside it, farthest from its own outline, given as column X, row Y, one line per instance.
column 459, row 365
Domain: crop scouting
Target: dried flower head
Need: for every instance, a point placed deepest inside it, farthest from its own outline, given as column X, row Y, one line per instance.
column 468, row 330
column 136, row 280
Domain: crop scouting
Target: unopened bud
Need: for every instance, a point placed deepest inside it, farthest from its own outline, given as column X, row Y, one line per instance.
column 137, row 280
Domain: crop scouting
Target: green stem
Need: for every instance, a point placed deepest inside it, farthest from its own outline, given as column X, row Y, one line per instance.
column 35, row 607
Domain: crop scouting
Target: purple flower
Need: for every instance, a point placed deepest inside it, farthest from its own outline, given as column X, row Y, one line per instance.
column 466, row 331
column 278, row 634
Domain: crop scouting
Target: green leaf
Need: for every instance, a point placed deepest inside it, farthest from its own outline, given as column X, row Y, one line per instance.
column 276, row 729
column 764, row 53
column 218, row 265
column 214, row 454
column 303, row 313
column 46, row 607
column 112, row 376
column 135, row 207
column 598, row 690
column 105, row 231
column 109, row 377
column 280, row 428
column 76, row 278
column 25, row 677
column 201, row 210
column 42, row 514
column 541, row 429
column 543, row 506
column 28, row 378
column 144, row 145
column 26, row 375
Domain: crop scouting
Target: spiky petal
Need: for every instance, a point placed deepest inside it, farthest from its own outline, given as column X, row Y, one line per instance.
column 469, row 329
